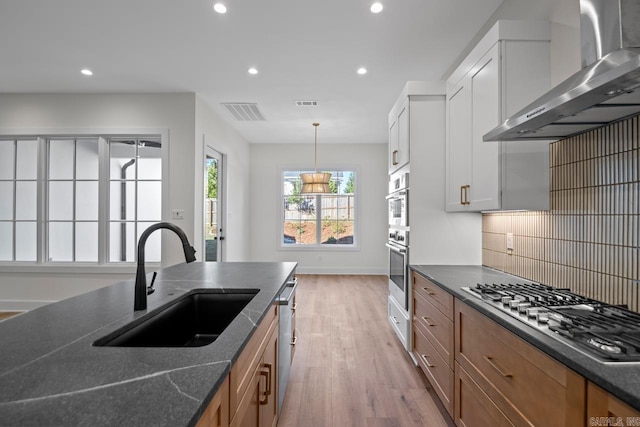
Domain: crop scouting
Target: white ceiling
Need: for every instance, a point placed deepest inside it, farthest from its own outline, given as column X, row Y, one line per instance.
column 303, row 49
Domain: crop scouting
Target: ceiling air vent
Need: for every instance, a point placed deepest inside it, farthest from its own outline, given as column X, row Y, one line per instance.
column 244, row 111
column 306, row 103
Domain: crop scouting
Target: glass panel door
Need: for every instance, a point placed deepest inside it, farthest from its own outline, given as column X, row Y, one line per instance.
column 213, row 230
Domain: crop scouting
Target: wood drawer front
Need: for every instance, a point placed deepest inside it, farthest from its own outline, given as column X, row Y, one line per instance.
column 528, row 386
column 435, row 326
column 433, row 293
column 473, row 408
column 242, row 371
column 436, row 369
column 602, row 404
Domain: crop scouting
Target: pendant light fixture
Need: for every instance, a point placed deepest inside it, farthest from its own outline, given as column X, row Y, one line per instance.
column 315, row 182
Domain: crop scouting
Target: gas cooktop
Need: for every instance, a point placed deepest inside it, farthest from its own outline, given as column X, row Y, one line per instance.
column 607, row 333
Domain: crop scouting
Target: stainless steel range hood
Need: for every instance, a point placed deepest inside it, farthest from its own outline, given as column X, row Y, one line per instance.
column 605, row 90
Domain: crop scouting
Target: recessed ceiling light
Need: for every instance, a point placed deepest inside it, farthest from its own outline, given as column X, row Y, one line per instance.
column 253, row 70
column 376, row 7
column 86, row 72
column 362, row 70
column 220, row 8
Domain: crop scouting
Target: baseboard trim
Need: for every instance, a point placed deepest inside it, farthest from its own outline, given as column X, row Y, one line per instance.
column 342, row 271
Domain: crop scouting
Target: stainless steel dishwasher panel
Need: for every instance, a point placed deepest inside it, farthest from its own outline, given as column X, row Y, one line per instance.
column 285, row 336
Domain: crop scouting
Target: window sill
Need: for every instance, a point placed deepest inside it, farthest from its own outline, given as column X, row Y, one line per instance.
column 73, row 268
column 320, row 248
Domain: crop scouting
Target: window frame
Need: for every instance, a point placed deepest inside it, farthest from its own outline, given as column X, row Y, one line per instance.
column 319, row 247
column 103, row 265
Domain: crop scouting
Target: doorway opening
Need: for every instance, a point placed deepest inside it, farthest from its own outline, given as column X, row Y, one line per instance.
column 213, row 206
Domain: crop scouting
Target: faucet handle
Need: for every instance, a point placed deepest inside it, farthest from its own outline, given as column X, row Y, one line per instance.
column 189, row 252
column 150, row 289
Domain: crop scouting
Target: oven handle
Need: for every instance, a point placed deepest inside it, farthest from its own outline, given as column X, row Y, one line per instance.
column 395, row 249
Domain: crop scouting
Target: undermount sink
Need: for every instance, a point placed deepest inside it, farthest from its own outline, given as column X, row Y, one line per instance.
column 194, row 320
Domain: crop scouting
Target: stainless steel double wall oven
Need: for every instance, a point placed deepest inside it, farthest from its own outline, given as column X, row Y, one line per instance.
column 398, row 246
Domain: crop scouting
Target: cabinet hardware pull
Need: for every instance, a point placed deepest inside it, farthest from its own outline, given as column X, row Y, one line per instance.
column 489, row 359
column 395, row 320
column 293, row 306
column 294, row 340
column 428, row 321
column 266, row 372
column 428, row 291
column 429, row 364
column 269, row 367
column 466, row 194
column 462, row 195
column 394, row 157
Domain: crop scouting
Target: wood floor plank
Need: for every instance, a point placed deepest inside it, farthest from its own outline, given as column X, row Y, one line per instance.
column 349, row 369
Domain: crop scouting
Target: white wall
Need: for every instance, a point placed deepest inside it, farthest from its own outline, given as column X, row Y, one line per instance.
column 437, row 237
column 212, row 131
column 175, row 112
column 370, row 162
column 564, row 16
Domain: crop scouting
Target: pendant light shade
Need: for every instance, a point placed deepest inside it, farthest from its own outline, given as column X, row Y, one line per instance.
column 315, row 182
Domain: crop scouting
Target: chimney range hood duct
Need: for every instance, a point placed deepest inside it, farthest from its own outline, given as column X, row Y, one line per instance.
column 604, row 91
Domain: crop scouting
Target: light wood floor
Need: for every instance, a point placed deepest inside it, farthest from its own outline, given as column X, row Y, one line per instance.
column 349, row 369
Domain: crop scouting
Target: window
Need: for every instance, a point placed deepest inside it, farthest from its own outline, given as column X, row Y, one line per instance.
column 18, row 200
column 327, row 220
column 79, row 199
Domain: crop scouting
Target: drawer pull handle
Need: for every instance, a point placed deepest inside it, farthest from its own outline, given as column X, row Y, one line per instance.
column 429, row 364
column 428, row 291
column 266, row 372
column 294, row 341
column 428, row 321
column 294, row 306
column 489, row 360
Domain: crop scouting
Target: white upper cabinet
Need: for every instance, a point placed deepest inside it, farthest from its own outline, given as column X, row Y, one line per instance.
column 507, row 69
column 399, row 137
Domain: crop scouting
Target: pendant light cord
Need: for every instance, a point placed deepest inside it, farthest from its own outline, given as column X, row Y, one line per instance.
column 315, row 155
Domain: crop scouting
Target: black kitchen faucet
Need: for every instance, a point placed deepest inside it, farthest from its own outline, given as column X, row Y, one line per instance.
column 141, row 292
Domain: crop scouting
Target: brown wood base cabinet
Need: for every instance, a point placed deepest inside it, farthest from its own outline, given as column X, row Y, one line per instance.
column 433, row 336
column 249, row 395
column 217, row 413
column 254, row 378
column 602, row 407
column 527, row 386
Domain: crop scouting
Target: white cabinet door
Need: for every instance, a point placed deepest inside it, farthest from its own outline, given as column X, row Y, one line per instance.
column 484, row 192
column 399, row 138
column 403, row 134
column 393, row 145
column 458, row 146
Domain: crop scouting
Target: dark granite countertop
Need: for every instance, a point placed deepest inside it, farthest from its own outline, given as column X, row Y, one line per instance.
column 50, row 374
column 621, row 379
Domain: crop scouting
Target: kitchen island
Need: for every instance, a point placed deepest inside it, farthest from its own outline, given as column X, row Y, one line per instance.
column 619, row 382
column 51, row 374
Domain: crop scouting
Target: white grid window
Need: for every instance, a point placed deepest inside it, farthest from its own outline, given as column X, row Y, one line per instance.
column 83, row 199
column 327, row 220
